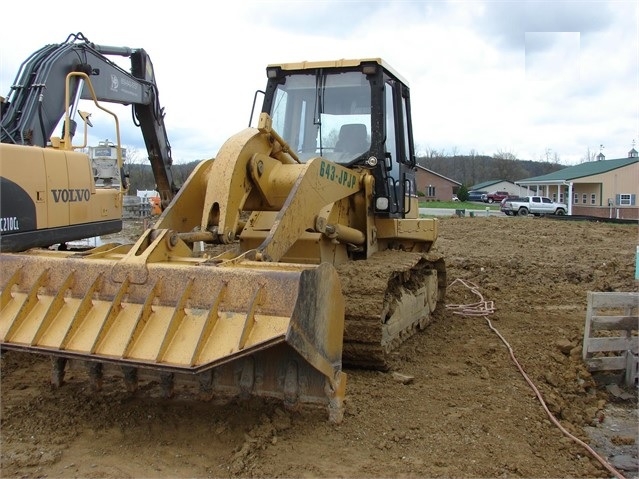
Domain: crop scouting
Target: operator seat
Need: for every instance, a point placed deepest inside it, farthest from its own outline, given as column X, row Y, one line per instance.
column 352, row 138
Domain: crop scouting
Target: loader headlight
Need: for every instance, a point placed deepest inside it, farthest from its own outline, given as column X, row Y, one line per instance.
column 272, row 72
column 369, row 69
column 381, row 203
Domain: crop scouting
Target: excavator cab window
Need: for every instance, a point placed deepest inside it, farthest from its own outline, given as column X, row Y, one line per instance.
column 324, row 114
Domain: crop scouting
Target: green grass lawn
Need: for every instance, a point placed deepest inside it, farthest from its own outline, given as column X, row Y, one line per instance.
column 458, row 205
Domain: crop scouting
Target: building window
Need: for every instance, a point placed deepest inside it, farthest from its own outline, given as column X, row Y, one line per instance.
column 430, row 191
column 575, row 199
column 625, row 199
column 561, row 197
column 593, row 199
column 554, row 197
column 584, row 198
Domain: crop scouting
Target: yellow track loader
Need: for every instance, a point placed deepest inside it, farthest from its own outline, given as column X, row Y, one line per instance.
column 297, row 251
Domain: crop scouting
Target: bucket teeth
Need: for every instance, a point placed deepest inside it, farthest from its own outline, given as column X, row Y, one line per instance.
column 205, row 382
column 130, row 375
column 167, row 385
column 58, row 366
column 96, row 375
column 247, row 377
column 291, row 386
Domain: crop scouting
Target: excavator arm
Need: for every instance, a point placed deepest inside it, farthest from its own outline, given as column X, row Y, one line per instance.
column 36, row 102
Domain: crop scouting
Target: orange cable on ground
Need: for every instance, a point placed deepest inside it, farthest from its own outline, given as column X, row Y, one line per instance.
column 484, row 308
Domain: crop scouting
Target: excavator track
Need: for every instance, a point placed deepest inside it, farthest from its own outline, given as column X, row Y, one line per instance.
column 389, row 297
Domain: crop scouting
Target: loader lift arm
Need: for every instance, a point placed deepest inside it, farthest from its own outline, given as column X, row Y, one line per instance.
column 35, row 104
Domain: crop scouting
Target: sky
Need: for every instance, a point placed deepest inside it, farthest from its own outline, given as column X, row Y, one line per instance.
column 540, row 80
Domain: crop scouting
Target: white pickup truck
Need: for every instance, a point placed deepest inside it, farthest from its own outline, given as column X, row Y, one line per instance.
column 534, row 205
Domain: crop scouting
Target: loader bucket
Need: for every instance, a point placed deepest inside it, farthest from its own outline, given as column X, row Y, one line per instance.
column 253, row 328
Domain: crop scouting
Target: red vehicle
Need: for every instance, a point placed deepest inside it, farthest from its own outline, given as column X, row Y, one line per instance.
column 495, row 196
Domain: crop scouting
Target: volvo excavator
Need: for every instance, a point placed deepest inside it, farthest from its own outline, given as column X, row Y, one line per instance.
column 51, row 192
column 296, row 252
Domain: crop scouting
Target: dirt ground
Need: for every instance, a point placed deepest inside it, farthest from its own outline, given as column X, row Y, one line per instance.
column 467, row 413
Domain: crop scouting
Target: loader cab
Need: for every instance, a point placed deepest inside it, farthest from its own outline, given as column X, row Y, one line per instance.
column 353, row 112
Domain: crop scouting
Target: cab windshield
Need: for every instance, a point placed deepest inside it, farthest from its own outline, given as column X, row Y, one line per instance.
column 324, row 114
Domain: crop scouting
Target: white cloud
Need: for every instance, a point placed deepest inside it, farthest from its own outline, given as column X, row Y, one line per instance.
column 476, row 82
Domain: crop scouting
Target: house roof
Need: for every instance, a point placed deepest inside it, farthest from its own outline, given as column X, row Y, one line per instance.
column 437, row 174
column 487, row 184
column 580, row 171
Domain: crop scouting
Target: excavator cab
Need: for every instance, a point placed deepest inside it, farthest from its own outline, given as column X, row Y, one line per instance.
column 354, row 113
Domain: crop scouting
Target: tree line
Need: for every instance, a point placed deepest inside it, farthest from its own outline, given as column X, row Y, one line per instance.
column 473, row 169
column 141, row 175
column 466, row 169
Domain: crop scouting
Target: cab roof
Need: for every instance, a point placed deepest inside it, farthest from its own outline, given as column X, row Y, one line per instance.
column 306, row 65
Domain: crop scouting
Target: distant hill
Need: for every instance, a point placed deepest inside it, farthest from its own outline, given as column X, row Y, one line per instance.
column 470, row 170
column 141, row 175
